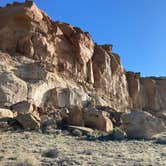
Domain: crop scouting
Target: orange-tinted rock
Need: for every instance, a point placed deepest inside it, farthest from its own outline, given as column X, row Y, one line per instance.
column 97, row 119
column 109, row 78
column 134, row 88
column 55, row 64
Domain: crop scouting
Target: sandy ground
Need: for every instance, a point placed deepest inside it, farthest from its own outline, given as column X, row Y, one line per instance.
column 23, row 148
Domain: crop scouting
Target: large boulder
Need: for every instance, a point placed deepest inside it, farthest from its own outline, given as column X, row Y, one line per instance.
column 28, row 121
column 27, row 115
column 84, row 130
column 22, row 108
column 97, row 119
column 141, row 125
column 75, row 117
column 12, row 89
column 5, row 114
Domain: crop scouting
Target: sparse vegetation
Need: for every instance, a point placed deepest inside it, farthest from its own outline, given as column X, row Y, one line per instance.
column 51, row 153
column 27, row 160
column 68, row 150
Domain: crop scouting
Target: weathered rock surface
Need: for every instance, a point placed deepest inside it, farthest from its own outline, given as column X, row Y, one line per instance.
column 85, row 130
column 12, row 89
column 97, row 119
column 54, row 65
column 28, row 121
column 59, row 48
column 5, row 114
column 141, row 124
column 26, row 114
column 148, row 94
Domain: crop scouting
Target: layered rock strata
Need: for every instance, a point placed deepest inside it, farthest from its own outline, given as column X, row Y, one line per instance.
column 56, row 66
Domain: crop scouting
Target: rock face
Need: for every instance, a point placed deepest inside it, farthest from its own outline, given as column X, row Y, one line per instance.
column 54, row 65
column 61, row 51
column 148, row 94
column 142, row 125
column 12, row 89
column 110, row 78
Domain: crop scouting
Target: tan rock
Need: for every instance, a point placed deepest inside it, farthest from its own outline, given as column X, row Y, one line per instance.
column 22, row 108
column 27, row 115
column 68, row 97
column 109, row 78
column 134, row 87
column 96, row 119
column 25, row 107
column 76, row 117
column 85, row 130
column 6, row 113
column 141, row 125
column 153, row 93
column 55, row 64
column 12, row 89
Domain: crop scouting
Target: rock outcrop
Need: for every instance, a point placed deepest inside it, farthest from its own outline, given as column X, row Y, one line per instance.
column 148, row 94
column 61, row 51
column 56, row 66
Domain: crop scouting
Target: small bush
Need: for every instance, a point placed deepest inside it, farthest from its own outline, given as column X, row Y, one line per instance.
column 98, row 133
column 51, row 153
column 27, row 160
column 118, row 134
column 77, row 133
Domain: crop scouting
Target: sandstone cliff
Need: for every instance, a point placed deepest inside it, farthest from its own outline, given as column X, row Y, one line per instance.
column 55, row 65
column 43, row 55
column 148, row 93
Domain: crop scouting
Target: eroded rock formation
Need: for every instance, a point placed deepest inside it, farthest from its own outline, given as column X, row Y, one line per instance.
column 54, row 65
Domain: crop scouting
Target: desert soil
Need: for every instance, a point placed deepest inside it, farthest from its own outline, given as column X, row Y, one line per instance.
column 23, row 148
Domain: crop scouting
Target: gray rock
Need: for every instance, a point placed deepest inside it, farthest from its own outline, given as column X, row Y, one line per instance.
column 141, row 125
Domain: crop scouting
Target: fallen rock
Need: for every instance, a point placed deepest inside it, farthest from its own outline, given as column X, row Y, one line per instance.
column 76, row 117
column 27, row 115
column 5, row 114
column 28, row 121
column 97, row 119
column 22, row 108
column 141, row 125
column 113, row 114
column 84, row 130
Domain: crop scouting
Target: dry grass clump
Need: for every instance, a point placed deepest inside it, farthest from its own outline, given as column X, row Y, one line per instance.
column 27, row 160
column 51, row 153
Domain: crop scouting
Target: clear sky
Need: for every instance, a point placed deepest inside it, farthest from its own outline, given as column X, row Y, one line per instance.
column 136, row 28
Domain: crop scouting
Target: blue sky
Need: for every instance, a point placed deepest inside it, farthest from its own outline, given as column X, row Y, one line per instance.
column 136, row 28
